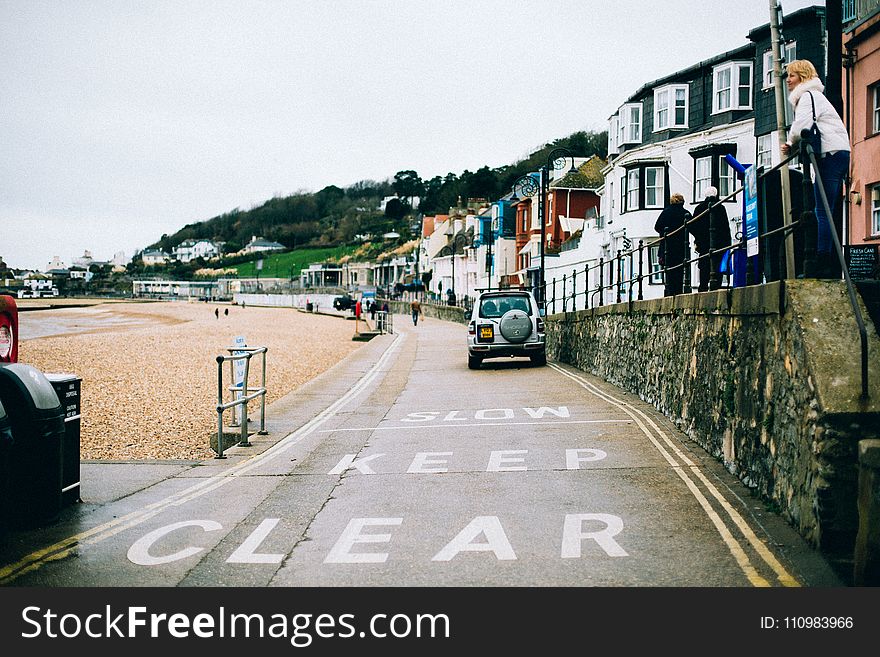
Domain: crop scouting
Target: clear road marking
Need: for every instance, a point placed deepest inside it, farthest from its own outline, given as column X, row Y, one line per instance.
column 64, row 547
column 474, row 424
column 733, row 545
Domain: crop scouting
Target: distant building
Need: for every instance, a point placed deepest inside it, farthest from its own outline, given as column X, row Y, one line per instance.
column 152, row 257
column 119, row 259
column 56, row 264
column 259, row 244
column 198, row 248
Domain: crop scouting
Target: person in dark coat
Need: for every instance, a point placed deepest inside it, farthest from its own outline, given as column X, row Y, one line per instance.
column 711, row 232
column 672, row 246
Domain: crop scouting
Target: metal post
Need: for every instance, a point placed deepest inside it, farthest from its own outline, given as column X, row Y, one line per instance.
column 574, row 290
column 220, row 408
column 601, row 281
column 780, row 96
column 617, row 262
column 243, row 439
column 641, row 256
column 262, row 431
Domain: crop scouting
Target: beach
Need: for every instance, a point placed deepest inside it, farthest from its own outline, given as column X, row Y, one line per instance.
column 149, row 370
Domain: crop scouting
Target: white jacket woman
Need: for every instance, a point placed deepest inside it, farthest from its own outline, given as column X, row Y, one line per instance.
column 833, row 163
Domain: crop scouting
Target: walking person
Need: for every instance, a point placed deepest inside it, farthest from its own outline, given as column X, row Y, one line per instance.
column 712, row 230
column 416, row 309
column 670, row 226
column 806, row 97
column 217, row 313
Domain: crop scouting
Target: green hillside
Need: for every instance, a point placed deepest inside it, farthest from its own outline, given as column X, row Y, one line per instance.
column 289, row 265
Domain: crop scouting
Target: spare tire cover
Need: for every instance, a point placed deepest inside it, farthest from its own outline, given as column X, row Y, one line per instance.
column 516, row 325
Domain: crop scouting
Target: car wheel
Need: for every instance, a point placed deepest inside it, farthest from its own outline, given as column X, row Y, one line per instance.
column 474, row 362
column 538, row 359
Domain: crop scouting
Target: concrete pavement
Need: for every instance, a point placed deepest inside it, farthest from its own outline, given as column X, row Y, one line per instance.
column 401, row 467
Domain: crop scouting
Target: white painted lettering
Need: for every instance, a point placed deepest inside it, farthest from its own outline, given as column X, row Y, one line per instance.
column 139, row 553
column 498, row 458
column 539, row 412
column 573, row 534
column 497, row 414
column 422, row 459
column 496, row 540
column 573, row 457
column 341, row 551
column 453, row 415
column 349, row 461
column 420, row 417
column 247, row 551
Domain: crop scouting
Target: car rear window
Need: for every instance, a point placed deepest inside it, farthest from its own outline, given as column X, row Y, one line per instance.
column 497, row 306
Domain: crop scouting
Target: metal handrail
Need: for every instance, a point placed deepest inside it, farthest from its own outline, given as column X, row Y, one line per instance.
column 863, row 333
column 236, row 354
column 384, row 322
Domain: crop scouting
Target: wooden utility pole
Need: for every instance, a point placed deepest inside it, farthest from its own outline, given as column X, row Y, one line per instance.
column 779, row 85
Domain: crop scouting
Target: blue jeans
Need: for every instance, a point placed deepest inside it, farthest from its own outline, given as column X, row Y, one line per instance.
column 832, row 170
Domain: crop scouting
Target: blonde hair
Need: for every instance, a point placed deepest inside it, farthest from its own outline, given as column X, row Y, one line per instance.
column 803, row 68
column 676, row 199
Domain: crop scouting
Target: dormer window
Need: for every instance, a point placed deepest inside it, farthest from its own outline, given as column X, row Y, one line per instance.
column 732, row 87
column 670, row 107
column 613, row 128
column 630, row 126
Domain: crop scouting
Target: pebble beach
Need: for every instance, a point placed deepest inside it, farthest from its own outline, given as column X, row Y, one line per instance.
column 149, row 370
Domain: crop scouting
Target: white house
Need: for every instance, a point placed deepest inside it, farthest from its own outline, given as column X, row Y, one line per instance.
column 259, row 244
column 198, row 248
column 152, row 257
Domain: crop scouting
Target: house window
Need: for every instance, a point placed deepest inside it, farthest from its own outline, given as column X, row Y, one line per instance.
column 670, row 107
column 622, row 194
column 726, row 178
column 630, row 124
column 654, row 187
column 732, row 87
column 613, row 128
column 875, row 210
column 632, row 190
column 765, row 151
column 702, row 177
column 849, row 10
column 789, row 54
column 655, row 276
column 876, row 109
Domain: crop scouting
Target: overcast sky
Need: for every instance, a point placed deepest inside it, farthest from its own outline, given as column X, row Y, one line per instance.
column 121, row 120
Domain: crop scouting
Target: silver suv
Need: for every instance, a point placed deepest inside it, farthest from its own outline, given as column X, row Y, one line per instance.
column 506, row 323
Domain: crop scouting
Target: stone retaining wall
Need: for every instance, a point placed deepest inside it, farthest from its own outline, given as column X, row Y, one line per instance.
column 766, row 378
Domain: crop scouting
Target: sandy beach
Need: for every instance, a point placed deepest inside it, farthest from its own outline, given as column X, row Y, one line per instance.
column 149, row 370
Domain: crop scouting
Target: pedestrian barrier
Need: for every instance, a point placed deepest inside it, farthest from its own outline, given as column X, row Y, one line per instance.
column 384, row 322
column 242, row 394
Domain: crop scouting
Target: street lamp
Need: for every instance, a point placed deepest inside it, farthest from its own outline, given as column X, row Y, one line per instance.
column 450, row 231
column 555, row 160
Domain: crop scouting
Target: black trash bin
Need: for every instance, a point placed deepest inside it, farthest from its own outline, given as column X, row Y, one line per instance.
column 37, row 421
column 68, row 388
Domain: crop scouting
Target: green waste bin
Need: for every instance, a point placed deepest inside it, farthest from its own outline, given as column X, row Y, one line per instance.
column 36, row 418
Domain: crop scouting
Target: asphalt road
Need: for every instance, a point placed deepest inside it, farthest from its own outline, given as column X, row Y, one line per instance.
column 401, row 467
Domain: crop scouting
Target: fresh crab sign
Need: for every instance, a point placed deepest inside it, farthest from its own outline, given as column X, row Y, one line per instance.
column 8, row 330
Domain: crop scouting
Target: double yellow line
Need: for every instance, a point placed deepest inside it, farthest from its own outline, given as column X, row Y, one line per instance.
column 685, row 468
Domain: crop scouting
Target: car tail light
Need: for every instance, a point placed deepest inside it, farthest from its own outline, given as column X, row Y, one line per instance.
column 8, row 330
column 472, row 328
column 540, row 325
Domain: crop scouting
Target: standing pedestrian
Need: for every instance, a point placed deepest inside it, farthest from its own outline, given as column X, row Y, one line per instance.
column 710, row 230
column 811, row 106
column 670, row 226
column 226, row 311
column 373, row 309
column 416, row 309
column 217, row 313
